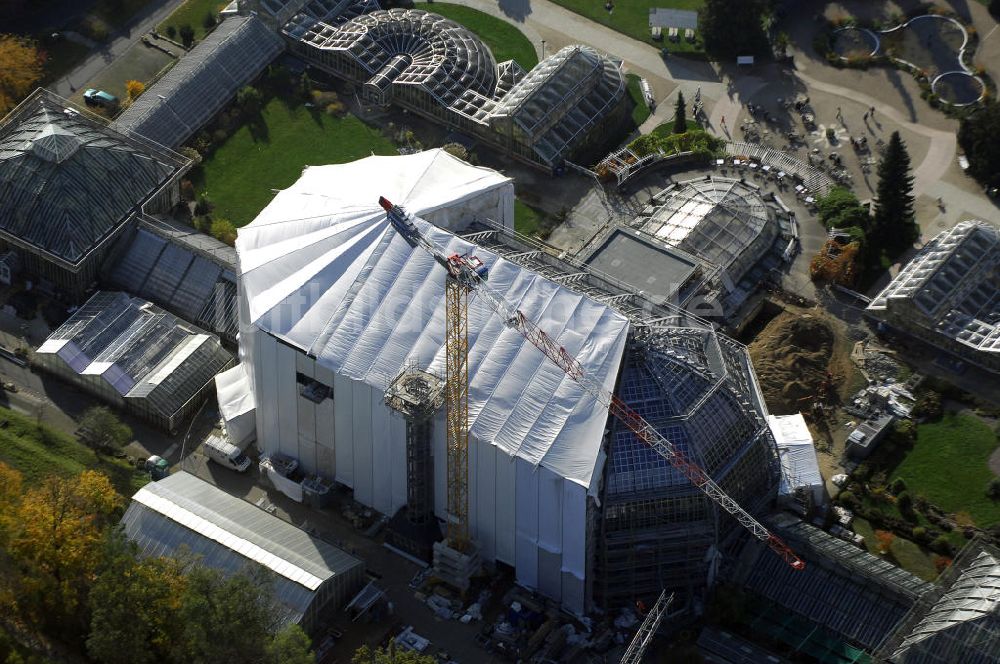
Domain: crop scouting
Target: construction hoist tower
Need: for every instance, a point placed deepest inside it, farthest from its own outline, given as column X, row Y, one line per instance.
column 469, row 274
column 417, row 395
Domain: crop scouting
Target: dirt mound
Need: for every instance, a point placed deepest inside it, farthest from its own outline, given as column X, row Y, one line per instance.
column 792, row 357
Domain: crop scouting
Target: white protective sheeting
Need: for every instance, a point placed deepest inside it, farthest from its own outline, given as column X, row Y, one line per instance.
column 799, row 467
column 237, row 405
column 334, row 279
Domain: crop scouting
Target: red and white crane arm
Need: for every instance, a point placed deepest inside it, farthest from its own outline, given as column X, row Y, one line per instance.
column 469, row 271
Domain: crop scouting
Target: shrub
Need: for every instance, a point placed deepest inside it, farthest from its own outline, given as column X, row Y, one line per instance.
column 209, row 21
column 95, row 28
column 905, row 504
column 191, row 154
column 941, row 545
column 204, row 204
column 919, row 534
column 941, row 563
column 224, row 231
column 171, row 32
column 993, row 488
column 848, row 500
column 929, row 406
column 898, row 486
column 249, row 99
column 186, row 33
column 336, row 108
column 457, row 150
column 133, row 89
column 995, row 9
column 187, row 190
column 885, row 540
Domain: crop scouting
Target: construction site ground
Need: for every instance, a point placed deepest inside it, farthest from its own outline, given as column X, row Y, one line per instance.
column 797, row 348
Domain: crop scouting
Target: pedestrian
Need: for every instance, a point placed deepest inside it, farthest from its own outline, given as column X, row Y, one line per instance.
column 723, row 120
column 871, row 112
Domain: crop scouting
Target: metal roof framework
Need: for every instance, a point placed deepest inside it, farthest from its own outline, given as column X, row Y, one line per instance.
column 68, row 182
column 952, row 284
column 202, row 81
column 227, row 533
column 723, row 221
column 138, row 350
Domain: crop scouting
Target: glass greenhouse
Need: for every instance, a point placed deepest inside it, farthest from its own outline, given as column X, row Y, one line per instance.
column 132, row 354
column 202, row 81
column 948, row 293
column 723, row 221
column 434, row 66
column 69, row 185
column 182, row 513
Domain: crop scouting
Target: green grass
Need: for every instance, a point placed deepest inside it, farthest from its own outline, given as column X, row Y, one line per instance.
column 118, row 13
column 504, row 40
column 40, row 451
column 667, row 128
column 192, row 13
column 948, row 465
column 528, row 220
column 631, row 17
column 241, row 173
column 640, row 112
column 905, row 553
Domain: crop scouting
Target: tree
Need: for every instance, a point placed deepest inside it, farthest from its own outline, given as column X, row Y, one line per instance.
column 209, row 21
column 995, row 9
column 993, row 488
column 390, row 655
column 20, row 70
column 101, row 430
column 187, row 35
column 979, row 136
column 905, row 504
column 893, row 228
column 249, row 100
column 133, row 605
column 733, row 28
column 57, row 543
column 224, row 231
column 171, row 32
column 133, row 89
column 680, row 115
column 885, row 540
column 841, row 209
column 290, row 646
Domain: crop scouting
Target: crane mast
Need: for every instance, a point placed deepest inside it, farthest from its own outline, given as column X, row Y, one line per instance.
column 637, row 647
column 470, row 273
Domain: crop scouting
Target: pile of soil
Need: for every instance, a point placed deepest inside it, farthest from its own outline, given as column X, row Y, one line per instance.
column 792, row 355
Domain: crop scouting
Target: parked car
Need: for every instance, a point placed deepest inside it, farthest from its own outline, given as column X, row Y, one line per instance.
column 95, row 97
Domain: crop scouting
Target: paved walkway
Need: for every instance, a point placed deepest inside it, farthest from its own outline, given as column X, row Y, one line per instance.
column 118, row 43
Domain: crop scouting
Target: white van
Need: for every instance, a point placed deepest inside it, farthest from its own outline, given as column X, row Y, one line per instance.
column 226, row 454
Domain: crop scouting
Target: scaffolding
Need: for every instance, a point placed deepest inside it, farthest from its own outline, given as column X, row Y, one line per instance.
column 416, row 395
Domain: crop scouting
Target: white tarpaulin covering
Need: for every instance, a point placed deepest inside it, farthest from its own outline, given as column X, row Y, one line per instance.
column 799, row 467
column 236, row 404
column 342, row 285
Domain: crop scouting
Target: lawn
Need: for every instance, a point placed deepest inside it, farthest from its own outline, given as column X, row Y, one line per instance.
column 239, row 176
column 640, row 112
column 632, row 18
column 192, row 13
column 38, row 451
column 505, row 40
column 948, row 465
column 908, row 555
column 528, row 220
column 667, row 128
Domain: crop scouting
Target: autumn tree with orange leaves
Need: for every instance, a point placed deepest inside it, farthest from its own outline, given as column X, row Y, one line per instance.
column 20, row 70
column 53, row 535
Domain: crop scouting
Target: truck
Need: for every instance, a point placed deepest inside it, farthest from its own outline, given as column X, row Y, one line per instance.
column 224, row 453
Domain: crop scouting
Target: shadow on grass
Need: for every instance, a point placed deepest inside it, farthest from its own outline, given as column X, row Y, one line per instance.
column 258, row 129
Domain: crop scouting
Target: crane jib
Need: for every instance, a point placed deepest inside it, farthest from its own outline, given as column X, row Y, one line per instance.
column 471, row 273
